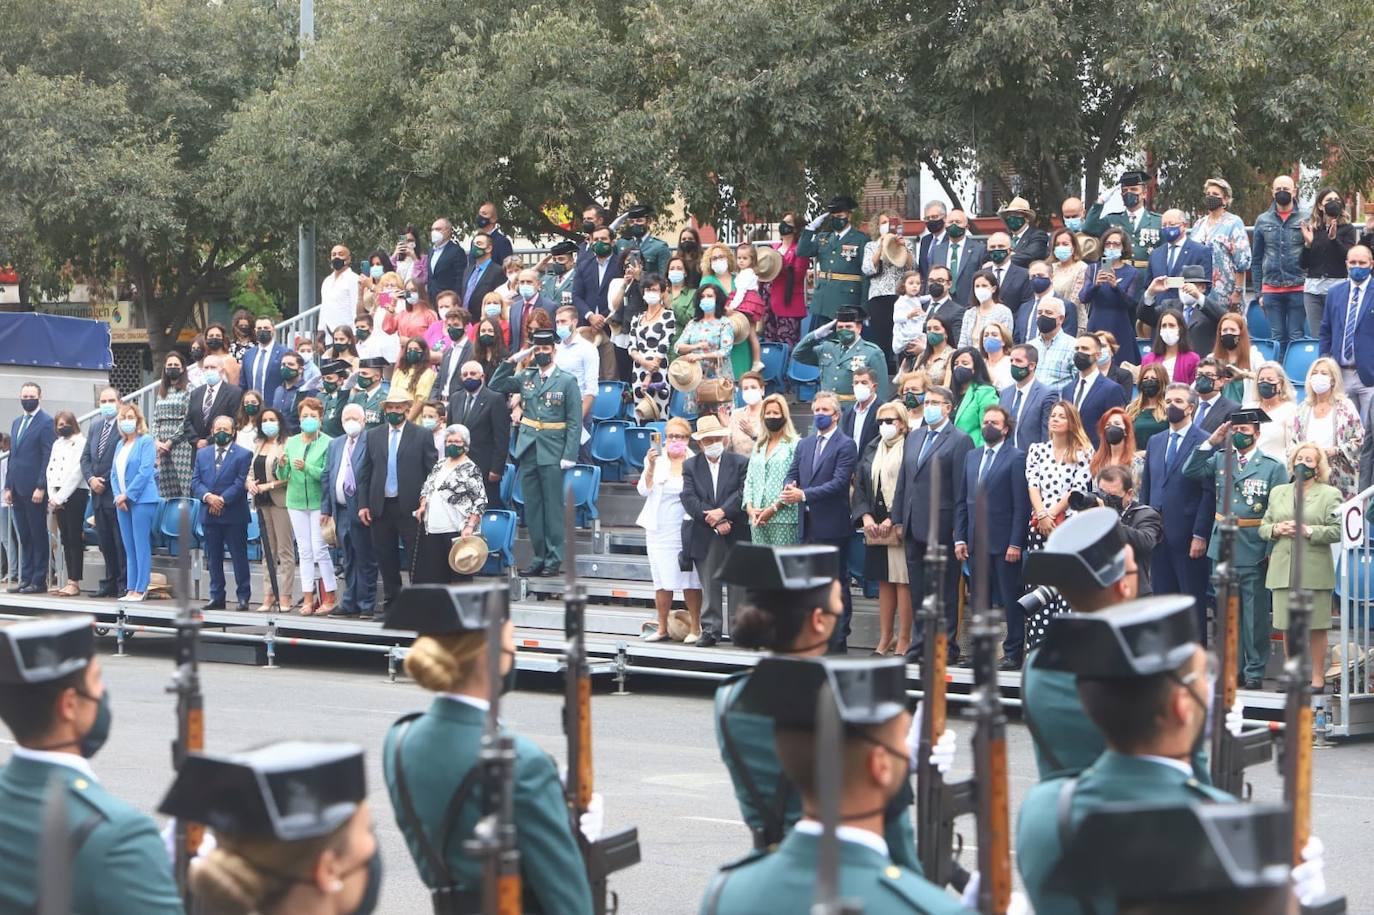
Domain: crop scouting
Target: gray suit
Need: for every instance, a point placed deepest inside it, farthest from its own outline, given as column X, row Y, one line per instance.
column 1033, row 423
column 96, row 462
column 353, row 537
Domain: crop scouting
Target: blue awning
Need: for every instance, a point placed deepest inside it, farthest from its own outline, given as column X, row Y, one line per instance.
column 54, row 341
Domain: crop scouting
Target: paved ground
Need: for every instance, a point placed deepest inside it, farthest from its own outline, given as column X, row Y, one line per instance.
column 656, row 764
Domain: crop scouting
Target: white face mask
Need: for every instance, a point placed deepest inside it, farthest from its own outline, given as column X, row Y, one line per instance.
column 1319, row 383
column 862, row 392
column 352, row 427
column 982, row 293
column 652, row 298
column 752, row 396
column 1170, row 336
column 884, row 228
column 888, row 431
column 714, row 451
column 1187, row 298
column 720, row 265
column 436, row 238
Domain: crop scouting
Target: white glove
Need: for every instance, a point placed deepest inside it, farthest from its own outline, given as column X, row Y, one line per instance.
column 1235, row 718
column 1019, row 904
column 565, row 464
column 594, row 820
column 522, row 355
column 169, row 841
column 619, row 221
column 941, row 755
column 1309, row 877
column 825, row 330
column 816, row 223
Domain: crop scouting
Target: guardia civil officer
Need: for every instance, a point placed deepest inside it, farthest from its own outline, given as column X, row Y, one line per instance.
column 837, row 248
column 547, row 444
column 839, row 351
column 437, row 805
column 1139, row 221
column 55, row 703
column 870, row 695
column 653, row 251
column 292, row 829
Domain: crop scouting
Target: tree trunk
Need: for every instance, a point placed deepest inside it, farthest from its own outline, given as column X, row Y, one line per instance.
column 943, row 180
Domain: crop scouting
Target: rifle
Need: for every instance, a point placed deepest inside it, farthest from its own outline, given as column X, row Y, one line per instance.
column 185, row 686
column 938, row 803
column 829, row 786
column 493, row 839
column 55, row 852
column 1231, row 755
column 1295, row 762
column 619, row 850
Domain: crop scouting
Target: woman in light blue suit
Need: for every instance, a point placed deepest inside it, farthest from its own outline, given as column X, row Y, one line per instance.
column 134, row 485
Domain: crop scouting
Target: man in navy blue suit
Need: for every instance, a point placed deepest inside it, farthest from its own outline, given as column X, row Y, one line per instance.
column 483, row 275
column 1179, row 564
column 952, row 249
column 937, row 444
column 592, row 277
column 31, row 438
column 262, row 363
column 96, row 461
column 1091, row 392
column 339, row 490
column 217, row 481
column 863, row 412
column 999, row 468
column 819, row 480
column 1026, row 325
column 1027, row 400
column 1013, row 280
column 1346, row 333
column 447, row 262
column 1175, row 252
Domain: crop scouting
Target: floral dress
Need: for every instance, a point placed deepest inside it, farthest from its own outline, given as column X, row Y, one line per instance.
column 652, row 339
column 719, row 336
column 763, row 487
column 1341, row 433
column 174, row 468
column 1054, row 479
column 1230, row 246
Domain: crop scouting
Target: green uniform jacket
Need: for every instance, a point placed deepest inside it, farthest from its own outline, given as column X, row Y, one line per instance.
column 552, row 399
column 1113, row 778
column 785, row 881
column 654, row 251
column 1250, row 486
column 1319, row 513
column 331, row 424
column 552, row 288
column 303, row 486
column 837, row 364
column 1065, row 739
column 371, row 402
column 121, row 867
column 1144, row 238
column 442, row 746
column 835, row 254
column 752, row 738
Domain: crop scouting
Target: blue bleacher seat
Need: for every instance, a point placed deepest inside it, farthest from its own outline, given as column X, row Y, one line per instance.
column 498, row 530
column 1143, row 344
column 517, row 497
column 607, row 447
column 857, row 553
column 609, row 402
column 88, row 537
column 804, row 378
column 1299, row 358
column 254, row 537
column 1269, row 349
column 680, row 404
column 659, row 425
column 1257, row 322
column 638, row 441
column 169, row 519
column 773, row 354
column 584, row 483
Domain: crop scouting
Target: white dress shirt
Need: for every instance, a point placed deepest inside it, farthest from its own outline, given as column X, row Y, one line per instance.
column 581, row 360
column 338, row 299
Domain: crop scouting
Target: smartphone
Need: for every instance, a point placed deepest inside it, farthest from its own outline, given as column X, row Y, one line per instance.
column 634, row 259
column 1173, row 282
column 656, row 440
column 567, row 298
column 402, row 240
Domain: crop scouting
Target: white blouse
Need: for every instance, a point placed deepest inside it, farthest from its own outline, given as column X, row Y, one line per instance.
column 64, row 468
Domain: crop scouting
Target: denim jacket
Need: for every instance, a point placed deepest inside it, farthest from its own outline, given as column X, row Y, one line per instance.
column 1277, row 248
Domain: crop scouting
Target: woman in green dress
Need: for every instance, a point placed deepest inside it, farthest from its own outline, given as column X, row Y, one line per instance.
column 974, row 391
column 681, row 296
column 770, row 520
column 1146, row 412
column 301, row 467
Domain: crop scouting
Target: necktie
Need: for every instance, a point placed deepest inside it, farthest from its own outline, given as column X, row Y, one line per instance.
column 988, row 454
column 1016, row 406
column 1078, row 397
column 1352, row 317
column 1173, row 256
column 393, row 441
column 209, row 399
column 350, row 482
column 477, row 272
column 261, row 366
column 1240, row 462
column 954, row 261
column 931, row 436
column 1000, row 272
column 219, row 458
column 104, row 437
column 1202, row 408
column 820, row 448
column 23, row 427
column 1173, row 450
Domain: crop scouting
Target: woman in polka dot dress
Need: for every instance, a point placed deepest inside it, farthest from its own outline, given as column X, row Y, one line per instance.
column 652, row 330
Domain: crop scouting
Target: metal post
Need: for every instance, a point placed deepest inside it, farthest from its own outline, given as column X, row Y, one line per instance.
column 305, row 244
column 119, row 633
column 622, row 667
column 270, row 638
column 392, row 657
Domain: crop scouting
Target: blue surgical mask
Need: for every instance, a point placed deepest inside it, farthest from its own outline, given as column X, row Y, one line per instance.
column 1170, row 233
column 1111, row 254
column 1074, row 223
column 563, row 331
column 708, row 306
column 1359, row 274
column 212, row 377
column 526, row 290
column 127, row 426
column 270, row 429
column 676, row 277
column 933, row 414
column 412, row 297
column 376, row 271
column 108, row 409
column 1062, row 252
column 491, row 309
column 993, row 344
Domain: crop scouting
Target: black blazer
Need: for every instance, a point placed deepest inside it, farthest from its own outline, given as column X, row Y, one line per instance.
column 1015, row 287
column 489, row 426
column 1025, row 317
column 1219, row 412
column 588, row 294
column 911, row 508
column 97, row 463
column 699, row 497
column 415, row 456
column 447, row 272
column 197, row 424
column 870, row 429
column 864, row 500
column 1034, row 245
column 462, row 351
column 1202, row 330
column 492, row 277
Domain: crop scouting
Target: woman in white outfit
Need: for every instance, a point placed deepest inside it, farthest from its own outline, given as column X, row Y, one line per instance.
column 661, row 518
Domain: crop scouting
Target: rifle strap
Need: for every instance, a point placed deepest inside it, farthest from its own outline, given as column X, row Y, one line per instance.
column 1063, row 813
column 772, row 815
column 434, row 857
column 1039, row 739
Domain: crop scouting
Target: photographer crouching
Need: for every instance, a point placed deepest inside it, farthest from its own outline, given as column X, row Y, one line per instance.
column 1139, row 524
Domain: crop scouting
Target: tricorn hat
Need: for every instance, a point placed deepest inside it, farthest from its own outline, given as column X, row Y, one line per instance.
column 867, row 691
column 1134, row 177
column 544, row 337
column 445, row 609
column 45, row 649
column 372, row 362
column 781, row 568
column 336, row 367
column 842, row 203
column 1139, row 638
column 562, row 248
column 1087, row 545
column 639, row 211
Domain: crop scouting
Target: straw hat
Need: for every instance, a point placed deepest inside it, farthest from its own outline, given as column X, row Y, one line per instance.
column 327, row 531
column 768, row 263
column 679, row 625
column 739, row 326
column 1018, row 205
column 467, row 555
column 895, row 252
column 684, row 375
column 646, row 410
column 708, row 427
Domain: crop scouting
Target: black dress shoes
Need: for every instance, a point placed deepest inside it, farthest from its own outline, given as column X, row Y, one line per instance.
column 242, row 606
column 29, row 589
column 532, row 571
column 1008, row 663
column 707, row 640
column 213, row 605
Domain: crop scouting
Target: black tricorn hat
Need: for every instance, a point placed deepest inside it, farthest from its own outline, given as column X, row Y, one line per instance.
column 563, row 247
column 1134, row 176
column 1088, row 544
column 336, row 367
column 849, row 313
column 372, row 362
column 446, row 609
column 757, row 567
column 639, row 211
column 842, row 203
column 1251, row 415
column 45, row 649
column 867, row 691
column 1138, row 638
column 544, row 338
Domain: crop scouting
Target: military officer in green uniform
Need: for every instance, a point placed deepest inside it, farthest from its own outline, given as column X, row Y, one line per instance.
column 547, row 443
column 870, row 695
column 791, row 607
column 315, row 853
column 54, row 701
column 839, row 350
column 653, row 251
column 837, row 248
column 371, row 390
column 449, row 657
column 333, row 374
column 1140, row 222
column 557, row 284
column 1254, row 476
column 1145, row 681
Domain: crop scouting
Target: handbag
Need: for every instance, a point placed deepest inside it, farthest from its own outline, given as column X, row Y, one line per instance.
column 684, row 556
column 880, row 514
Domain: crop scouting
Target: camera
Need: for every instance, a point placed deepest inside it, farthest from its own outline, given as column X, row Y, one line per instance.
column 1082, row 501
column 1038, row 599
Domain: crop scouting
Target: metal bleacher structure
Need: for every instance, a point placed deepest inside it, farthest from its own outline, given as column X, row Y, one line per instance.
column 611, row 564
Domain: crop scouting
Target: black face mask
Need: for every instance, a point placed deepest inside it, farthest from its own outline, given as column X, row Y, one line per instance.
column 1332, row 208
column 1283, row 198
column 214, row 343
column 1082, row 361
column 1267, row 389
column 785, row 229
column 65, row 431
column 687, row 245
column 264, row 337
column 1115, row 435
column 243, row 329
column 557, row 268
column 774, row 423
column 1131, row 199
column 1213, row 202
column 962, row 375
column 937, row 290
column 1046, row 324
column 171, row 373
column 588, row 227
column 1204, row 384
column 197, row 354
column 338, row 263
column 1230, row 341
column 1175, row 415
column 992, row 434
column 1149, row 387
column 935, row 226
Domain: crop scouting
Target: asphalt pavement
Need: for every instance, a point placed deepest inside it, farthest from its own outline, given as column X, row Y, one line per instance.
column 656, row 763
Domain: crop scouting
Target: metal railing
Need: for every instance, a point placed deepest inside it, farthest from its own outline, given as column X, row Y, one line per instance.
column 1354, row 713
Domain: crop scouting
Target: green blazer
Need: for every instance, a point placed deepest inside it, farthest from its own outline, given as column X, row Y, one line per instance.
column 837, row 363
column 755, row 762
column 969, row 417
column 1319, row 513
column 303, row 486
column 121, row 866
column 1113, row 778
column 555, row 399
column 837, row 254
column 1250, row 489
column 785, row 881
column 442, row 746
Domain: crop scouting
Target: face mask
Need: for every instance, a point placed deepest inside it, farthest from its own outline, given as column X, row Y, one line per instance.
column 1170, row 233
column 307, row 356
column 1040, row 284
column 774, row 423
column 1242, row 440
column 997, row 255
column 412, row 297
column 933, row 414
column 270, row 429
column 1149, row 387
column 588, row 227
column 1332, row 208
column 197, row 354
column 992, row 344
column 243, row 329
column 330, row 386
column 934, row 338
column 1359, row 274
column 845, row 337
column 362, row 333
column 450, row 451
column 720, row 265
column 214, row 343
column 954, row 230
column 1020, row 372
column 429, row 422
column 962, row 375
column 436, row 238
column 1115, row 435
column 413, row 356
column 557, row 268
column 1283, row 198
column 933, row 226
column 1062, row 252
column 1046, row 323
column 487, row 339
column 1267, row 390
column 287, row 373
column 753, row 396
column 1014, row 222
column 365, row 381
column 395, row 417
column 1174, row 414
column 543, row 359
column 1205, row 384
column 992, row 434
column 1320, row 384
column 127, row 426
column 1213, row 202
column 108, row 410
column 1073, row 223
column 937, row 291
column 652, row 298
column 1303, row 472
column 911, row 400
column 1169, row 336
column 171, row 374
column 472, row 385
column 785, row 229
column 352, row 428
column 563, row 331
column 454, row 333
column 477, row 252
column 982, row 294
column 311, row 424
column 708, row 306
column 483, row 222
column 714, row 451
column 338, row 263
column 839, row 222
column 65, row 431
column 1230, row 341
column 888, row 431
column 823, row 421
column 376, row 271
column 91, row 742
column 687, row 244
column 212, row 377
column 676, row 277
column 1131, row 199
column 1082, row 361
column 862, row 392
column 676, row 449
column 602, row 249
column 1111, row 254
column 1104, row 358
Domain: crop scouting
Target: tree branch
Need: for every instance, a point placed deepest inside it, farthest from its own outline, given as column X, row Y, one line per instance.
column 942, row 179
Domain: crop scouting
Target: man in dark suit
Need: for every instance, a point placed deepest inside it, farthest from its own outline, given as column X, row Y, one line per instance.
column 1013, row 281
column 262, row 363
column 1025, row 328
column 488, row 220
column 999, row 468
column 483, row 275
column 1212, row 408
column 1027, row 400
column 818, row 480
column 713, row 497
column 1346, row 335
column 1176, row 252
column 488, row 419
column 1202, row 309
column 96, row 460
column 217, row 482
column 216, row 397
column 1029, row 242
column 458, row 350
column 1091, row 392
column 945, row 307
column 447, row 262
column 937, row 444
column 527, row 301
column 1179, row 564
column 592, row 278
column 339, row 489
column 1141, row 526
column 862, row 413
column 31, row 438
column 399, row 458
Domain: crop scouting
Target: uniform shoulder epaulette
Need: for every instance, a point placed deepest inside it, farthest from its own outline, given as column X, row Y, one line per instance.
column 757, row 854
column 909, row 888
column 88, row 795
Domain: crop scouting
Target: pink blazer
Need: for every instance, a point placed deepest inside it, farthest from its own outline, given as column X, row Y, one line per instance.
column 1185, row 366
column 796, row 267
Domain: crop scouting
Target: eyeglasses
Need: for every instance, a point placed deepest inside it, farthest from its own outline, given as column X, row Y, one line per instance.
column 887, row 421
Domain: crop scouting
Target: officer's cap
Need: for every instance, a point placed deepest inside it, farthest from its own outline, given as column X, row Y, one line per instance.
column 757, row 567
column 47, row 649
column 1139, row 638
column 842, row 203
column 544, row 338
column 1134, row 176
column 563, row 247
column 372, row 362
column 336, row 367
column 445, row 609
column 849, row 313
column 289, row 791
column 1145, row 853
column 639, row 211
column 867, row 691
column 1087, row 545
column 1253, row 415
